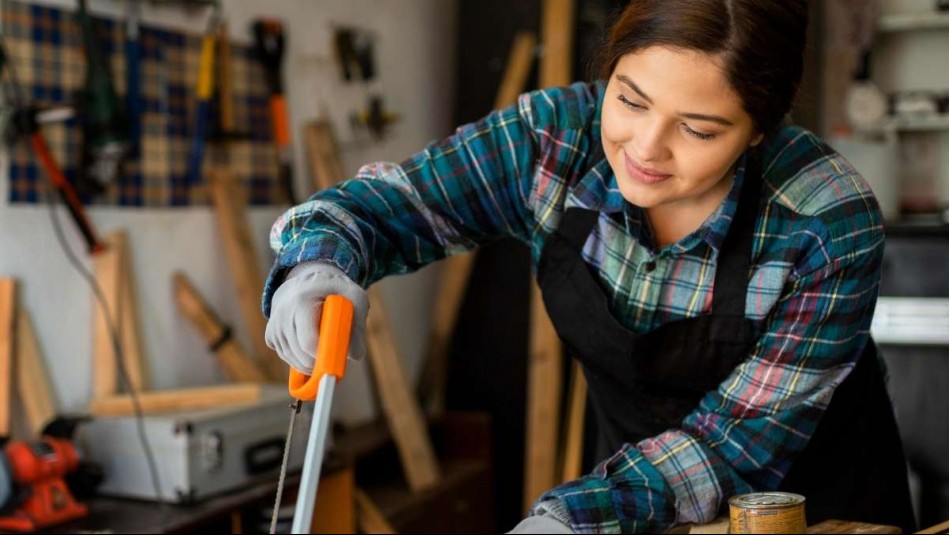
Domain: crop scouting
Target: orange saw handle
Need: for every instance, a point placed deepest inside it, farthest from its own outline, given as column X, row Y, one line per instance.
column 335, row 326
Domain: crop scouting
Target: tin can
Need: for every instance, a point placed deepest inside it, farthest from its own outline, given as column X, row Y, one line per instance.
column 767, row 512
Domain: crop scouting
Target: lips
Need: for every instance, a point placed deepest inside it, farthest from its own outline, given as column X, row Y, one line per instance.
column 646, row 176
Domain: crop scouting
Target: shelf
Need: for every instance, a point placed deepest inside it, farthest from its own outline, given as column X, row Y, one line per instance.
column 913, row 21
column 903, row 124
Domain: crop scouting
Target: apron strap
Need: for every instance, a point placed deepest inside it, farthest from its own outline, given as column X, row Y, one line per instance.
column 734, row 261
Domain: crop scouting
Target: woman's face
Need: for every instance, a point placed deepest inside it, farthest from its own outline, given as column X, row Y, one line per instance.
column 672, row 128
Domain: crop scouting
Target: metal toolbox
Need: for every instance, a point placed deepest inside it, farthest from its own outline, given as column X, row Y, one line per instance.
column 198, row 453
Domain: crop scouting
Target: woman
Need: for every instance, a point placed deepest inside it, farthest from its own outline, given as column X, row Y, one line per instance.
column 714, row 270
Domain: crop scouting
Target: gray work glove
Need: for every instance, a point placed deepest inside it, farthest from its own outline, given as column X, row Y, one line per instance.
column 541, row 524
column 297, row 307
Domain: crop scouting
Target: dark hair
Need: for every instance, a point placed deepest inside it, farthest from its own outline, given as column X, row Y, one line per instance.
column 760, row 43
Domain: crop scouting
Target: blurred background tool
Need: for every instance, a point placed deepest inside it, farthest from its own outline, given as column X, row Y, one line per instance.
column 269, row 41
column 25, row 123
column 40, row 479
column 133, row 60
column 205, row 91
column 105, row 139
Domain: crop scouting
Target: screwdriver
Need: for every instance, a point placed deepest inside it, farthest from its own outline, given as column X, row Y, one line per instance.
column 330, row 366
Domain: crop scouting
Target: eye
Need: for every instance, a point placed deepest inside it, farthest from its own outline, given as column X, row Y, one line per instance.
column 698, row 135
column 629, row 104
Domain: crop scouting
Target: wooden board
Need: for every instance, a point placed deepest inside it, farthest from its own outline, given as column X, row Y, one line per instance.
column 7, row 330
column 230, row 208
column 114, row 276
column 177, row 400
column 32, row 377
column 108, row 272
column 545, row 377
column 334, row 510
column 323, row 153
column 129, row 325
column 573, row 436
column 938, row 528
column 235, row 362
column 844, row 526
column 545, row 353
column 402, row 412
column 368, row 516
column 456, row 270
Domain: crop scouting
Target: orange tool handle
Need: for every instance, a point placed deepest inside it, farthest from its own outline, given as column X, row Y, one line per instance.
column 335, row 326
column 281, row 121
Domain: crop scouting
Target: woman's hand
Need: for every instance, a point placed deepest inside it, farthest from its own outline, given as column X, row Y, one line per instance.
column 297, row 307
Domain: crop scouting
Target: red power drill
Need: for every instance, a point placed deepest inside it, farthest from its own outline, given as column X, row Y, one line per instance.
column 38, row 496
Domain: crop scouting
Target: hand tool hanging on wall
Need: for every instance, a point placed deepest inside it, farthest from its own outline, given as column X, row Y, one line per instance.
column 330, row 367
column 269, row 41
column 205, row 91
column 133, row 58
column 24, row 123
column 105, row 140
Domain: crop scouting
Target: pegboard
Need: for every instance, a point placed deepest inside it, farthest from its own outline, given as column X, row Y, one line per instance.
column 44, row 45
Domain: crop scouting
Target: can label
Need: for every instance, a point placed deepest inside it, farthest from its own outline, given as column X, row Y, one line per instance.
column 767, row 512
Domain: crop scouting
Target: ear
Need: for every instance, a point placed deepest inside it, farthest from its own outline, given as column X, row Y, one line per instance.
column 757, row 140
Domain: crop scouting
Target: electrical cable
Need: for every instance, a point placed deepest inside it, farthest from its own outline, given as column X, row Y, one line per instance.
column 19, row 100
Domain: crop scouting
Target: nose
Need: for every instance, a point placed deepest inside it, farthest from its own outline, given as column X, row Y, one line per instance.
column 649, row 141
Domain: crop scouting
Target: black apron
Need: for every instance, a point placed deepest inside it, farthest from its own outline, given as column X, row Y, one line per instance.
column 641, row 385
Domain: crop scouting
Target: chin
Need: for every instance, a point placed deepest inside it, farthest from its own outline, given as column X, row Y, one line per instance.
column 637, row 194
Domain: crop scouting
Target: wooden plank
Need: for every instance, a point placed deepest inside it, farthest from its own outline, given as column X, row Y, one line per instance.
column 334, row 510
column 938, row 528
column 7, row 331
column 456, row 270
column 108, row 273
column 32, row 377
column 518, row 68
column 323, row 152
column 545, row 353
column 230, row 208
column 557, row 29
column 368, row 516
column 236, row 364
column 844, row 526
column 223, row 83
column 402, row 412
column 544, row 376
column 573, row 437
column 129, row 326
column 177, row 399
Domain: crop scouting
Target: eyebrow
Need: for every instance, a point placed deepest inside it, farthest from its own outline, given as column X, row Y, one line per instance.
column 697, row 116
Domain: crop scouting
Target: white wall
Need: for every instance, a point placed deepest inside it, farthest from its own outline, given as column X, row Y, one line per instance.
column 415, row 57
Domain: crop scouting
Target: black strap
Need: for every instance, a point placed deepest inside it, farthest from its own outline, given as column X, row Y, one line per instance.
column 576, row 225
column 734, row 255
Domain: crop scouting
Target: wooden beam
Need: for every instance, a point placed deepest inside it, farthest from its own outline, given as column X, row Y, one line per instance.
column 335, row 508
column 573, row 437
column 236, row 364
column 456, row 270
column 177, row 400
column 557, row 29
column 518, row 68
column 323, row 152
column 545, row 377
column 402, row 412
column 105, row 314
column 231, row 209
column 368, row 516
column 129, row 326
column 32, row 377
column 546, row 354
column 7, row 330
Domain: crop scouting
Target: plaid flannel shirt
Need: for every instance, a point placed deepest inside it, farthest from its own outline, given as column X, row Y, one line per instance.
column 814, row 282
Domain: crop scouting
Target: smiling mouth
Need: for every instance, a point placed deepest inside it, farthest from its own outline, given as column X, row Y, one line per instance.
column 646, row 176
